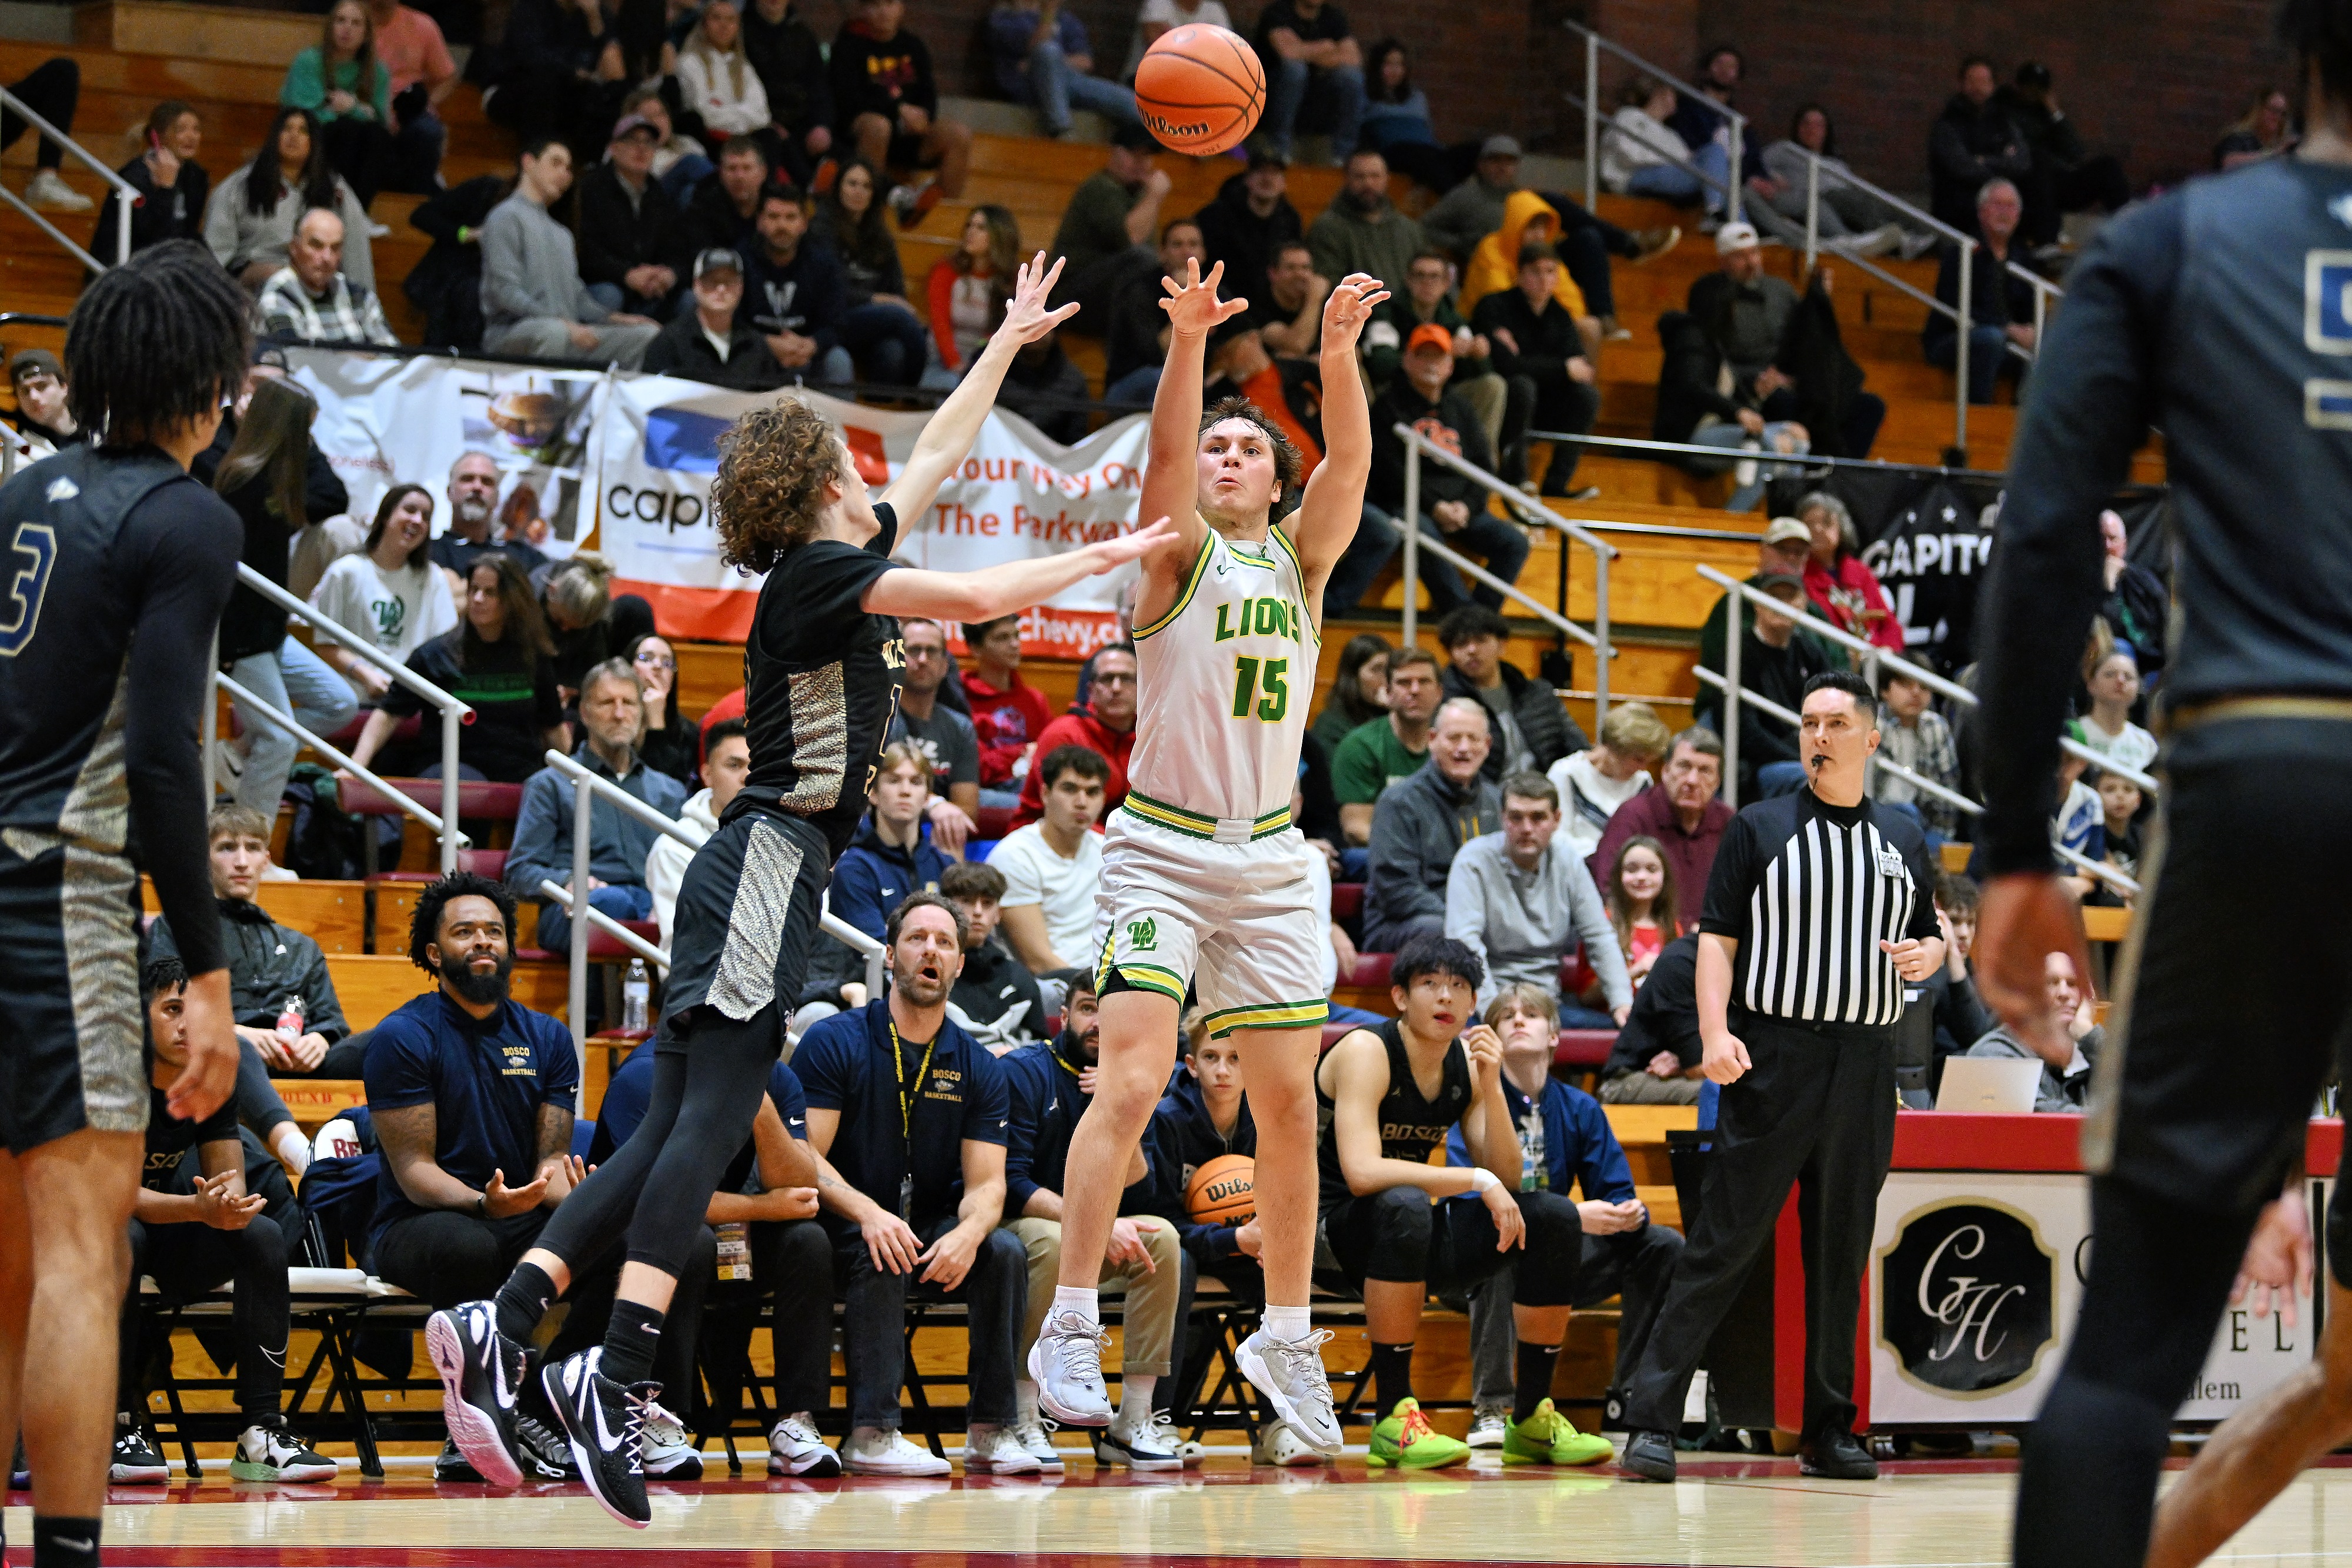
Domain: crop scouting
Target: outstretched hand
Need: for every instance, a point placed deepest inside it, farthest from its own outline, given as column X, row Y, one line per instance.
column 1348, row 308
column 1026, row 318
column 1118, row 551
column 1192, row 305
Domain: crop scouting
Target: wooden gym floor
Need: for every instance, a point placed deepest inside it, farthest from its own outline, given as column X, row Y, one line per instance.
column 1922, row 1514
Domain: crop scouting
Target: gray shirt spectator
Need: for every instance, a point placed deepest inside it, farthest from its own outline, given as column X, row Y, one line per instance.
column 1521, row 903
column 534, row 305
column 1421, row 823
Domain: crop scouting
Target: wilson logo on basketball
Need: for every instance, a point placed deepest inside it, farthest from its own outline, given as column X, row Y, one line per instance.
column 1174, row 130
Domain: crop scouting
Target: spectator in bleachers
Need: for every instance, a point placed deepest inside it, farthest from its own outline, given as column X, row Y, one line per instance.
column 42, row 407
column 564, row 76
column 275, row 972
column 473, row 500
column 791, row 63
column 534, row 306
column 1422, row 823
column 588, row 622
column 887, row 104
column 1008, row 712
column 1473, row 209
column 263, row 478
column 171, row 184
column 1847, row 219
column 667, row 744
column 916, row 1191
column 1453, row 506
column 191, row 1245
column 1159, row 15
column 389, row 593
column 716, row 80
column 1914, row 735
column 51, row 89
column 1774, row 664
column 1104, row 725
column 1694, row 406
column 309, row 299
column 2138, row 605
column 1975, row 140
column 1643, row 155
column 1757, row 323
column 1107, row 228
column 889, row 858
column 1136, row 338
column 1564, row 1138
column 996, row 996
column 1427, row 300
column 1656, row 1059
column 1361, row 230
column 446, row 283
column 2065, row 176
column 796, row 291
column 943, row 735
column 2078, row 822
column 1053, row 866
column 1595, row 782
column 2000, row 303
column 424, row 75
column 1040, row 56
column 2264, row 130
column 880, row 328
column 468, row 1088
column 1386, row 750
column 1314, row 76
column 726, row 764
column 1285, row 307
column 1522, row 907
column 680, row 162
column 1397, row 122
column 250, row 217
column 1251, row 218
column 2107, row 728
column 1527, row 729
column 1360, row 689
column 1396, row 1245
column 1642, row 907
column 1681, row 811
column 2066, row 1085
column 2120, row 801
column 725, row 213
column 631, row 234
column 967, row 291
column 710, row 340
column 1839, row 584
column 612, row 714
column 497, row 662
column 343, row 83
column 1540, row 348
column 1698, row 118
column 1784, row 547
column 1049, row 1087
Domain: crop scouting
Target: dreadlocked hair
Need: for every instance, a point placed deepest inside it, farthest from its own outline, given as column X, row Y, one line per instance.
column 2319, row 33
column 1289, row 463
column 155, row 343
column 773, row 466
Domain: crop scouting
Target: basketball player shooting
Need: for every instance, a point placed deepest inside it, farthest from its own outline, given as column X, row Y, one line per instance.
column 1204, row 878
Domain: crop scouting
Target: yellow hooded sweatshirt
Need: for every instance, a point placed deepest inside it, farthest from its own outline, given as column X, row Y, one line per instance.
column 1494, row 264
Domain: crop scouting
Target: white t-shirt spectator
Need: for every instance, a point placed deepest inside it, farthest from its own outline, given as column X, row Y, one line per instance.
column 2133, row 748
column 1588, row 800
column 1036, row 873
column 398, row 611
column 1167, row 13
column 1632, row 140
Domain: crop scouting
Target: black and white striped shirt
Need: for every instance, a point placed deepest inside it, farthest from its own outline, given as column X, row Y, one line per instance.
column 1808, row 890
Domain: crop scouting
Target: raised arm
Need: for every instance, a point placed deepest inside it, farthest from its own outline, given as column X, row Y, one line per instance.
column 1171, row 477
column 1333, row 502
column 997, row 590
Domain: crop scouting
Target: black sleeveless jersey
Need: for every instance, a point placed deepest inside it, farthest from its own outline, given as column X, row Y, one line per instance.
column 1413, row 1125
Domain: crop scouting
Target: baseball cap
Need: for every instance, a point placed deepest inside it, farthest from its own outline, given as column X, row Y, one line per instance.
column 1768, row 580
column 33, row 361
column 1736, row 236
column 1429, row 335
column 629, row 122
column 1787, row 530
column 1500, row 147
column 717, row 259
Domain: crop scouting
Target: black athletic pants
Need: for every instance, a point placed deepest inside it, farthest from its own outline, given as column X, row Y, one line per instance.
column 1397, row 1235
column 591, row 1299
column 190, row 1259
column 51, row 93
column 792, row 1264
column 1815, row 1110
column 448, row 1256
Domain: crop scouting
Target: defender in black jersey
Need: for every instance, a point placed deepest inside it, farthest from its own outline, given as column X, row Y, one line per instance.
column 2222, row 313
column 118, row 566
column 821, row 672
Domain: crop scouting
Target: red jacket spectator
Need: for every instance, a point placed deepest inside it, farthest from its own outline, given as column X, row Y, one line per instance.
column 1691, row 853
column 1078, row 727
column 1850, row 600
column 1006, row 721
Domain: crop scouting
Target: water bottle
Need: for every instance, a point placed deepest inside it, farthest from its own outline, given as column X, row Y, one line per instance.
column 636, row 990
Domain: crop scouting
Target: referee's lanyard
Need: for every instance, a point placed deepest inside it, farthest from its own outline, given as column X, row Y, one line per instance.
column 907, row 1098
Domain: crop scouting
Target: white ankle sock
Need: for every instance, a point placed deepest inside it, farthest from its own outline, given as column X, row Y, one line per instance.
column 1285, row 1323
column 1024, row 1400
column 1086, row 1302
column 1135, row 1398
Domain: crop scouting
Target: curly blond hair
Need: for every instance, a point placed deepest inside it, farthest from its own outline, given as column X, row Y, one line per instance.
column 773, row 465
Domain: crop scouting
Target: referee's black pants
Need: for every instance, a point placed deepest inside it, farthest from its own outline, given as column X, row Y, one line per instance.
column 1816, row 1108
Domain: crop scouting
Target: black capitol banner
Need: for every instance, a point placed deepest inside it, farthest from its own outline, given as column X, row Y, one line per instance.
column 1968, row 1297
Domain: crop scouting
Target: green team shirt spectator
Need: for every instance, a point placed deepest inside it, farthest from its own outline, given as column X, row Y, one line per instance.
column 1370, row 760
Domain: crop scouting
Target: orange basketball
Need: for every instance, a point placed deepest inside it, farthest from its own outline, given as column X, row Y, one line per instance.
column 1223, row 1192
column 1199, row 88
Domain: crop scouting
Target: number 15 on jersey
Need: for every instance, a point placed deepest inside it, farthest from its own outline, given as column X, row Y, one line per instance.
column 1252, row 676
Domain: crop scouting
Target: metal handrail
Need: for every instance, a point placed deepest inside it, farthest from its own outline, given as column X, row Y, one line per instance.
column 286, row 722
column 1801, row 460
column 1593, row 43
column 1517, row 500
column 2099, row 760
column 124, row 188
column 552, row 890
column 1687, row 164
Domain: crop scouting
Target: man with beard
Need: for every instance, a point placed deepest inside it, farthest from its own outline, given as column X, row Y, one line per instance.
column 1051, row 1084
column 1104, row 724
column 473, row 500
column 1361, row 230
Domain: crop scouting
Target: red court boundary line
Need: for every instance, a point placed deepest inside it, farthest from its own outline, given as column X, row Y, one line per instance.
column 717, row 1557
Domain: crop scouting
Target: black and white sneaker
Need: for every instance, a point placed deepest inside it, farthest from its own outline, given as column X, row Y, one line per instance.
column 136, row 1462
column 451, row 1468
column 272, row 1452
column 670, row 1452
column 604, row 1422
column 546, row 1457
column 482, row 1372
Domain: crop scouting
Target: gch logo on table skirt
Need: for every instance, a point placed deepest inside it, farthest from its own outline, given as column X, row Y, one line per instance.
column 1968, row 1297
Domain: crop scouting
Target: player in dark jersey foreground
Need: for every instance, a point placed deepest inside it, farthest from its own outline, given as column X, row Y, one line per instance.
column 822, row 672
column 2218, row 312
column 118, row 567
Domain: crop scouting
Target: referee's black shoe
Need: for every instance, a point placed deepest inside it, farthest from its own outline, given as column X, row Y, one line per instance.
column 1648, row 1456
column 1838, row 1455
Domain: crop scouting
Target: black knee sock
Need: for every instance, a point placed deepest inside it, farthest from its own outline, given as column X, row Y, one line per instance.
column 1391, row 1375
column 630, row 1342
column 523, row 1299
column 63, row 1542
column 1534, row 1378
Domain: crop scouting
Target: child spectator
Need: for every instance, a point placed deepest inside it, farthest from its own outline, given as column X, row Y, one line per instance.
column 1915, row 735
column 1594, row 783
column 339, row 80
column 1642, row 904
column 1008, row 713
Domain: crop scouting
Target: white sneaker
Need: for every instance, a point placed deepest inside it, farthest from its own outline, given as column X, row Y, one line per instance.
column 270, row 1451
column 1039, row 1444
column 669, row 1451
column 45, row 189
column 997, row 1451
column 1164, row 1435
column 1278, row 1445
column 795, row 1448
column 1065, row 1363
column 872, row 1452
column 1290, row 1374
column 1488, row 1427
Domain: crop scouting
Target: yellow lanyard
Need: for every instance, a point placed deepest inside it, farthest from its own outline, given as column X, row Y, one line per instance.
column 907, row 1100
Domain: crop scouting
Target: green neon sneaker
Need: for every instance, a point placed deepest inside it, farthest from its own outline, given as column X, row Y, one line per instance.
column 1407, row 1441
column 1546, row 1437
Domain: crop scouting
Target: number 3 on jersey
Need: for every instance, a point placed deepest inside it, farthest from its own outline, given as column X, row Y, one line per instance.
column 31, row 555
column 1252, row 676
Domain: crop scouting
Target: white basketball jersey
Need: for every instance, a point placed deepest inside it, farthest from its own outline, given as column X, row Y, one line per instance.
column 1224, row 680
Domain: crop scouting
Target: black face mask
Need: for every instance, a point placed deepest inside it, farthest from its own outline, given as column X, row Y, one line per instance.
column 480, row 989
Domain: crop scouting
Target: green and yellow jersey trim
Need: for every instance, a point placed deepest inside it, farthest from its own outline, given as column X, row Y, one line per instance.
column 1313, row 623
column 1153, row 977
column 1192, row 585
column 1269, row 1014
column 1192, row 824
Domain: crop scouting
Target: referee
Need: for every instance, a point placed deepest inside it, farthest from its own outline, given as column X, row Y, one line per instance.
column 1817, row 911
